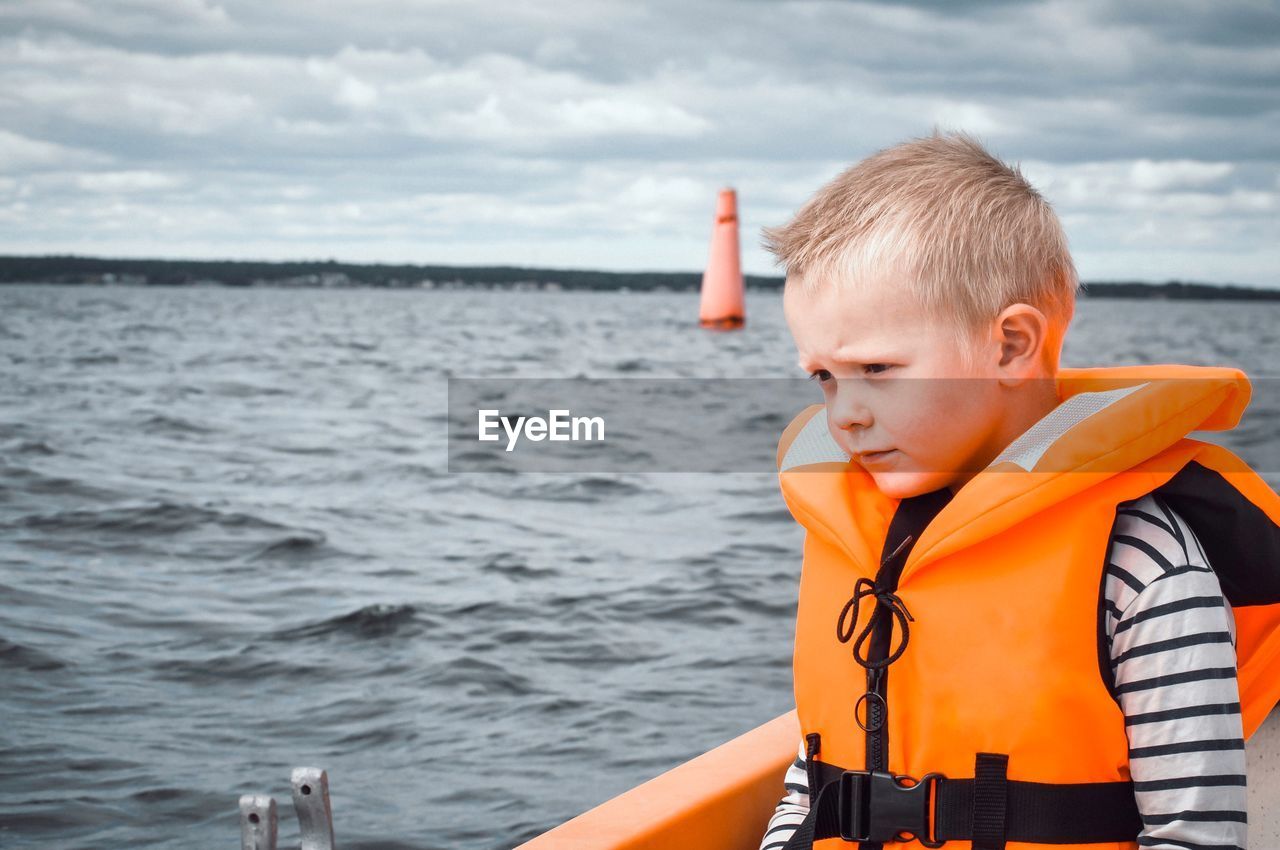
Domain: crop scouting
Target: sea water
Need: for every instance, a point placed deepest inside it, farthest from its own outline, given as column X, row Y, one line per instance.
column 229, row 546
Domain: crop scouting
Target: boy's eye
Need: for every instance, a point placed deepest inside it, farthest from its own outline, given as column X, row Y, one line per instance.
column 822, row 375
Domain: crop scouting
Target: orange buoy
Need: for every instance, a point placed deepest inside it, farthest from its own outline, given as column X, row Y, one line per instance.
column 722, row 291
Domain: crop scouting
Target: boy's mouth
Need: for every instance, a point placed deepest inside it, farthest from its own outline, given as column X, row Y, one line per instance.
column 872, row 457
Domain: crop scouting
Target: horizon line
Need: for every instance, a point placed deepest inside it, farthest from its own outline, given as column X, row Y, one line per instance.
column 694, row 272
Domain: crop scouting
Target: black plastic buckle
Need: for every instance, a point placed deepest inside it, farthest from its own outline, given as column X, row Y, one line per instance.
column 872, row 805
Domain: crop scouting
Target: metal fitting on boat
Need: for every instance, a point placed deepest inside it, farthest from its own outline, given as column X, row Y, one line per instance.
column 311, row 802
column 258, row 822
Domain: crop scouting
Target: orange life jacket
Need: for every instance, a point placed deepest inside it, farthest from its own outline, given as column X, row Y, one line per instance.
column 985, row 680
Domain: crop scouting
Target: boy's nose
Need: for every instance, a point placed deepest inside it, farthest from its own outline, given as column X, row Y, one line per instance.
column 846, row 411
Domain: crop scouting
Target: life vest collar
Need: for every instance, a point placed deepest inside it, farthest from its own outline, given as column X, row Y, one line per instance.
column 1108, row 420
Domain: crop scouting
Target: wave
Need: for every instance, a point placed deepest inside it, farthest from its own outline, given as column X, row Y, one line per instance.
column 161, row 423
column 298, row 545
column 245, row 665
column 511, row 564
column 148, row 329
column 371, row 621
column 590, row 489
column 490, row 678
column 163, row 517
column 19, row 657
column 20, row 479
column 33, row 447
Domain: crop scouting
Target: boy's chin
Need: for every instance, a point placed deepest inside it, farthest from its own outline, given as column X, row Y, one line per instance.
column 905, row 485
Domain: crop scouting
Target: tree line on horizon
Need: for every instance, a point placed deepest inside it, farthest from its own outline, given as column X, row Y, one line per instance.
column 68, row 269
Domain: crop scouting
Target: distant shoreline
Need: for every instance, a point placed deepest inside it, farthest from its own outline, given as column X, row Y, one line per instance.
column 329, row 274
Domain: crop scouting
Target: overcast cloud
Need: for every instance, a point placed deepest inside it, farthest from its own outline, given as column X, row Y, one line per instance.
column 595, row 135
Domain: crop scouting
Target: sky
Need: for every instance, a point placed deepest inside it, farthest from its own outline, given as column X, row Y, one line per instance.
column 597, row 134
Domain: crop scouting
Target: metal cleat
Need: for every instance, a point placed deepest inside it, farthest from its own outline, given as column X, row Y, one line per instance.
column 258, row 822
column 311, row 802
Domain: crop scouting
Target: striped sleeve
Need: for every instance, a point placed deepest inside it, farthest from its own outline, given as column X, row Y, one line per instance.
column 1172, row 648
column 793, row 806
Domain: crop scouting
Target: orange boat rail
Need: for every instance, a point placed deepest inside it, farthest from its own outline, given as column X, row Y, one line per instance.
column 720, row 800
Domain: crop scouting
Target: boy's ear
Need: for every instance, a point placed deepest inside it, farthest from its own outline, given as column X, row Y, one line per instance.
column 1023, row 332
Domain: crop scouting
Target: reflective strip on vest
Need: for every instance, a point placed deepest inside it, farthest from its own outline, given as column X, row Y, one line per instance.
column 1027, row 449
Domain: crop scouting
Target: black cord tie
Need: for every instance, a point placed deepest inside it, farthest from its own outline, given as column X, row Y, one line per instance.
column 864, row 587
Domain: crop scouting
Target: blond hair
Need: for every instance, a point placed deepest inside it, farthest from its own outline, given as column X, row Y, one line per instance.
column 965, row 234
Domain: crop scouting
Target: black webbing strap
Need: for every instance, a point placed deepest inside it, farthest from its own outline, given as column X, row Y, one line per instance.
column 971, row 810
column 990, row 800
column 822, row 820
column 1046, row 813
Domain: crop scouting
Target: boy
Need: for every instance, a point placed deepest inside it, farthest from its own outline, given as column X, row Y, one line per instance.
column 1037, row 535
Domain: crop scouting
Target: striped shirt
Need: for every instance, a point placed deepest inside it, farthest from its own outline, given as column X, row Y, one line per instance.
column 1171, row 638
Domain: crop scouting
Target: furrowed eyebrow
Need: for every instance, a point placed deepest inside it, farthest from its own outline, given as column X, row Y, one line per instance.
column 887, row 358
column 870, row 357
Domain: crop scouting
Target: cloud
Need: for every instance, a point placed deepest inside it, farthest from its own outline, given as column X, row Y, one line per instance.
column 20, row 154
column 1150, row 175
column 119, row 182
column 475, row 133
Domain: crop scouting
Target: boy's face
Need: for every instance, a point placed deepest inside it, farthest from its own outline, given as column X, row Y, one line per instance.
column 863, row 344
